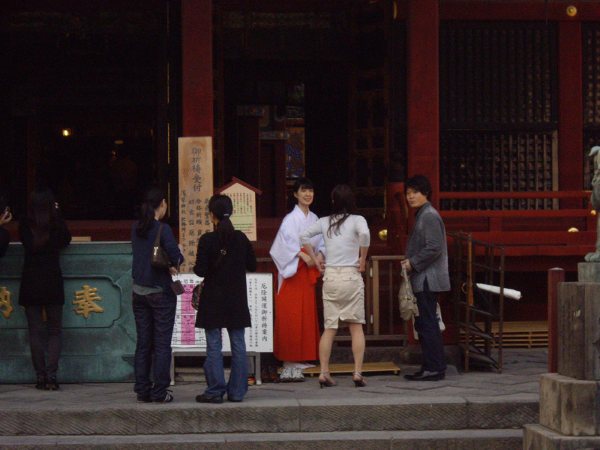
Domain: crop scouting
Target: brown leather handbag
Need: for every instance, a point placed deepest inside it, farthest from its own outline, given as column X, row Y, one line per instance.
column 159, row 258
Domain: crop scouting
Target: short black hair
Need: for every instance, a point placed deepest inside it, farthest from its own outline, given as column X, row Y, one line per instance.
column 419, row 183
column 303, row 183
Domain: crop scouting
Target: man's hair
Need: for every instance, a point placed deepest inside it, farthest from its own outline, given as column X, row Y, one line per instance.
column 419, row 183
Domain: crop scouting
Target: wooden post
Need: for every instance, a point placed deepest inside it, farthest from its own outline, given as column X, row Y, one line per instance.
column 570, row 112
column 555, row 276
column 197, row 68
column 376, row 298
column 423, row 129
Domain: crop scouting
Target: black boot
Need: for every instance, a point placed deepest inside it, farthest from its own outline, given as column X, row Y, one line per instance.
column 41, row 382
column 52, row 384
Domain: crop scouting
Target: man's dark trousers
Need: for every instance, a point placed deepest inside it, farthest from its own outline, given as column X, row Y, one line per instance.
column 430, row 336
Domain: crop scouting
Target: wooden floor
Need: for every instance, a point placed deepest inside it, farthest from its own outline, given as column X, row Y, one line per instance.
column 522, row 334
column 349, row 368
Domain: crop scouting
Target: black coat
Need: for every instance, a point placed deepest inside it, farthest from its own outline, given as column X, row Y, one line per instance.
column 42, row 281
column 224, row 301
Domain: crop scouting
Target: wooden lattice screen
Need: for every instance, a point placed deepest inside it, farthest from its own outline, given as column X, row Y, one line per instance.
column 498, row 110
column 591, row 96
column 378, row 104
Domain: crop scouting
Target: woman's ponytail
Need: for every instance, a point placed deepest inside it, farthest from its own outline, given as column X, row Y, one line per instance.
column 222, row 208
column 152, row 201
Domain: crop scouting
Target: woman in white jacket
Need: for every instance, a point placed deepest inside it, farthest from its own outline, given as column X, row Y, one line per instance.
column 296, row 321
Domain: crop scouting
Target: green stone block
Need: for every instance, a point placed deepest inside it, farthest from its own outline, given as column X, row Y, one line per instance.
column 96, row 348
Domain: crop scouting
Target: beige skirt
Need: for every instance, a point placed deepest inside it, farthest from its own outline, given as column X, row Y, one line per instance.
column 343, row 296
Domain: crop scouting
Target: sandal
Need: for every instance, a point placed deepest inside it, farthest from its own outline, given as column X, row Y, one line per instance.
column 359, row 380
column 325, row 380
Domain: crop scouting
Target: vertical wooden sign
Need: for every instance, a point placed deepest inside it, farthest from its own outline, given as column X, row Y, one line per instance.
column 243, row 197
column 195, row 189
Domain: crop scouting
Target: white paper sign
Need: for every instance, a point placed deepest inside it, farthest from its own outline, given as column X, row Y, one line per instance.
column 259, row 338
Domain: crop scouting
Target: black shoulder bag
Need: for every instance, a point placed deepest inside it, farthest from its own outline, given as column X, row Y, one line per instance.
column 197, row 292
column 159, row 258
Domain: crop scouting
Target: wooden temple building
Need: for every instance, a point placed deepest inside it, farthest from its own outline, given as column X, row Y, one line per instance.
column 496, row 101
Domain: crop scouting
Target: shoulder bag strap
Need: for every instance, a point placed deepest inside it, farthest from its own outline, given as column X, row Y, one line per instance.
column 157, row 239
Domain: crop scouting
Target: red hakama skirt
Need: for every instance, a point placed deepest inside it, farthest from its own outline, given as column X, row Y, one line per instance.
column 296, row 320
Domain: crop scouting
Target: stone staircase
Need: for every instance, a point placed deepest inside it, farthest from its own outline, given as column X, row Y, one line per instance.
column 388, row 413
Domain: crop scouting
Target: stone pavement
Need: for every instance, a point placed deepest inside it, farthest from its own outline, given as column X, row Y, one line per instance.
column 473, row 402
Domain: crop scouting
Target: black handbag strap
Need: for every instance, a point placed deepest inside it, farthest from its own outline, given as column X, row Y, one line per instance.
column 157, row 239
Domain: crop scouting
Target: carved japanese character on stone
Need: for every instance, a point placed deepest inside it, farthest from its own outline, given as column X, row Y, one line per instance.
column 85, row 301
column 6, row 307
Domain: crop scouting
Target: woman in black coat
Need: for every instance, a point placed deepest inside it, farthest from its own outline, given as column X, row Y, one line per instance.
column 223, row 257
column 44, row 234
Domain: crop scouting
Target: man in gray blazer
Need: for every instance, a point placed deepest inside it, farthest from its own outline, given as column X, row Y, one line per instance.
column 427, row 263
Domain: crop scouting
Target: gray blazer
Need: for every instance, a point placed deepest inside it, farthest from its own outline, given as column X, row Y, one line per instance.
column 428, row 252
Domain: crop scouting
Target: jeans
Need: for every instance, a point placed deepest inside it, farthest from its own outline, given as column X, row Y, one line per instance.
column 154, row 320
column 237, row 386
column 430, row 336
column 45, row 335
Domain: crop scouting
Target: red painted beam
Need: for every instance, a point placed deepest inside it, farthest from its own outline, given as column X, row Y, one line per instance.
column 513, row 195
column 197, row 67
column 423, row 127
column 523, row 10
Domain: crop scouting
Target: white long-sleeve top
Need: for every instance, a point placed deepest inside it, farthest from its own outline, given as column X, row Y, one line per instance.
column 286, row 246
column 342, row 247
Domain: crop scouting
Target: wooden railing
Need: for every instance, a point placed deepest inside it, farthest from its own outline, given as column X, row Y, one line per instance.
column 566, row 229
column 382, row 278
column 381, row 299
column 497, row 219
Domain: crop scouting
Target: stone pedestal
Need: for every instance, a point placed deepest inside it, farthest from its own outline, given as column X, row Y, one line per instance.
column 538, row 437
column 570, row 400
column 588, row 272
column 579, row 330
column 569, row 406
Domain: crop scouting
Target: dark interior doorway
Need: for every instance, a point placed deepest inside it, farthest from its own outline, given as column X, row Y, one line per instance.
column 271, row 137
column 283, row 76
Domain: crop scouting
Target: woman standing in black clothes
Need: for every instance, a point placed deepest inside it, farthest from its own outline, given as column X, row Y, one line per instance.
column 223, row 257
column 43, row 233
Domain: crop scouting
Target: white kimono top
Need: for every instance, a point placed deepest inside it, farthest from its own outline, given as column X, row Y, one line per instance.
column 286, row 245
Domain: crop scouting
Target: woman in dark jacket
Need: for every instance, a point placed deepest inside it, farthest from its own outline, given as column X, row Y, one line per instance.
column 223, row 257
column 43, row 233
column 154, row 303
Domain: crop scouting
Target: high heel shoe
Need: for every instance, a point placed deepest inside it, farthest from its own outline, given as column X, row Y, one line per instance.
column 325, row 380
column 359, row 380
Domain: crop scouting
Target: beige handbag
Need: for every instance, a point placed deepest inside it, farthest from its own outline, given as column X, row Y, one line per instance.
column 408, row 301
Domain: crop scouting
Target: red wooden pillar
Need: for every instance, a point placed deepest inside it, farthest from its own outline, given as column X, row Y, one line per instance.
column 423, row 130
column 555, row 277
column 570, row 112
column 197, row 67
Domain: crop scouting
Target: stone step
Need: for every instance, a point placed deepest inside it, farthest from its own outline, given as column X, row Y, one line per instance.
column 470, row 439
column 274, row 415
